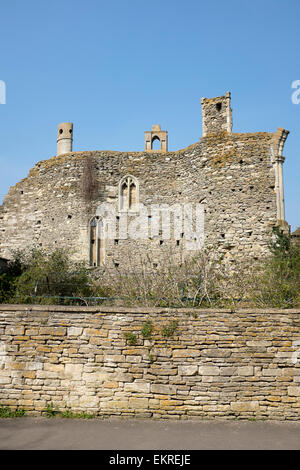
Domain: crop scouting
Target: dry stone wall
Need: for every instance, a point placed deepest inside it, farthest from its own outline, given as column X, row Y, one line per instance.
column 208, row 364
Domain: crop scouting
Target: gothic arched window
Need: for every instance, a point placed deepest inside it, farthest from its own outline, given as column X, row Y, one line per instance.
column 128, row 194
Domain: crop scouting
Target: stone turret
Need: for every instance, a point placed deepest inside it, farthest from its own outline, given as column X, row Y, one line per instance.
column 156, row 134
column 216, row 114
column 64, row 138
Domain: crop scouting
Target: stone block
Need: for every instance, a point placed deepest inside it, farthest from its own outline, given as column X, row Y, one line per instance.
column 73, row 371
column 114, row 358
column 74, row 331
column 5, row 380
column 95, row 332
column 163, row 370
column 271, row 372
column 59, row 368
column 139, row 387
column 138, row 403
column 273, row 398
column 228, row 371
column 241, row 406
column 89, row 401
column 97, row 377
column 188, row 370
column 14, row 330
column 29, row 374
column 123, row 377
column 162, row 352
column 34, row 365
column 259, row 344
column 96, row 340
column 162, row 389
column 185, row 353
column 115, row 404
column 294, row 391
column 53, row 330
column 111, row 385
column 209, row 370
column 245, row 371
column 170, row 403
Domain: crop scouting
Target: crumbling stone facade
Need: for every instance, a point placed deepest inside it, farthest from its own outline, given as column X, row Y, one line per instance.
column 235, row 178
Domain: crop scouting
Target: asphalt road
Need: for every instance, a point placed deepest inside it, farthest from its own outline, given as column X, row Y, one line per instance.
column 139, row 434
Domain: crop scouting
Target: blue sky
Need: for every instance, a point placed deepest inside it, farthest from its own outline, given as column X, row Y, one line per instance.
column 115, row 68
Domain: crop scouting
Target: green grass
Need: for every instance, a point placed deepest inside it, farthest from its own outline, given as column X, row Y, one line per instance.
column 169, row 330
column 6, row 412
column 147, row 330
column 51, row 412
column 131, row 338
column 80, row 415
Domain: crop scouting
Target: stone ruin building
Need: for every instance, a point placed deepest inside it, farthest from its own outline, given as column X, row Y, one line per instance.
column 89, row 201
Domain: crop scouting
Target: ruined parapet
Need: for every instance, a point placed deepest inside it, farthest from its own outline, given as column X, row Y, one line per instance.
column 64, row 138
column 156, row 134
column 216, row 114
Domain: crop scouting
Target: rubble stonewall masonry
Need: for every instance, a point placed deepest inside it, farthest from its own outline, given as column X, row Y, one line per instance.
column 217, row 363
column 236, row 177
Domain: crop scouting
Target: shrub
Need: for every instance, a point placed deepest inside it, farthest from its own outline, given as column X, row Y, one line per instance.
column 16, row 266
column 277, row 282
column 147, row 330
column 44, row 277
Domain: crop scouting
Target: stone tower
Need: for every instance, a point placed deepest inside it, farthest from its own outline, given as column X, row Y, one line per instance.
column 64, row 138
column 216, row 115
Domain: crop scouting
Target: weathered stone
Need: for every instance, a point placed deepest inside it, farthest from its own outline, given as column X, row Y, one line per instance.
column 123, row 377
column 89, row 401
column 245, row 406
column 185, row 353
column 138, row 403
column 74, row 331
column 139, row 387
column 14, row 330
column 114, row 358
column 245, row 370
column 271, row 372
column 53, row 330
column 5, row 380
column 59, row 368
column 95, row 332
column 73, row 371
column 163, row 389
column 111, row 384
column 209, row 370
column 228, row 371
column 258, row 344
column 95, row 377
column 187, row 370
column 294, row 391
